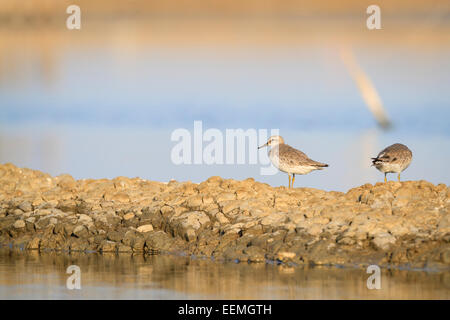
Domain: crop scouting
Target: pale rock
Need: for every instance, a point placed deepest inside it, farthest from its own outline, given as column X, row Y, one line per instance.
column 128, row 216
column 145, row 228
column 315, row 229
column 274, row 219
column 225, row 196
column 19, row 224
column 221, row 218
column 80, row 231
column 26, row 206
column 228, row 206
column 285, row 256
column 384, row 241
column 34, row 244
column 84, row 219
column 30, row 219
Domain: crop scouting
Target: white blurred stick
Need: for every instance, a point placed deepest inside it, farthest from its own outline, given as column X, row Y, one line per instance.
column 366, row 88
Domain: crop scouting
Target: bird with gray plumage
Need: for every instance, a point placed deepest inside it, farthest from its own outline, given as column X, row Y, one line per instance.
column 393, row 159
column 290, row 160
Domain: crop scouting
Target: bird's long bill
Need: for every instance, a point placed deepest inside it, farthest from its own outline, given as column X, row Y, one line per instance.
column 264, row 145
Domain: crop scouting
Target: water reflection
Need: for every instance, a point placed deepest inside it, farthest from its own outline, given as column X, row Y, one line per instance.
column 35, row 276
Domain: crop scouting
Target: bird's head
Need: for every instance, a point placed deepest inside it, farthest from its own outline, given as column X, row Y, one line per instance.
column 273, row 141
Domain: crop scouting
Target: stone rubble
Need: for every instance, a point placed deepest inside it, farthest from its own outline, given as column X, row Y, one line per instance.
column 396, row 224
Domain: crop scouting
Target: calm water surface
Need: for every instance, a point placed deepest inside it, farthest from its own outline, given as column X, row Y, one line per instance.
column 43, row 276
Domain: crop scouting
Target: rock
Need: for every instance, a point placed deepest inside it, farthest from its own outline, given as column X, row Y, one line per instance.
column 78, row 245
column 80, row 231
column 124, row 248
column 346, row 241
column 34, row 244
column 145, row 228
column 221, row 218
column 65, row 181
column 445, row 257
column 274, row 219
column 120, row 197
column 444, row 225
column 398, row 230
column 17, row 212
column 189, row 223
column 225, row 196
column 234, row 254
column 384, row 241
column 130, row 237
column 230, row 205
column 42, row 212
column 286, row 256
column 128, row 216
column 26, row 206
column 406, row 192
column 115, row 236
column 30, row 219
column 138, row 244
column 255, row 254
column 84, row 219
column 108, row 246
column 315, row 229
column 194, row 202
column 391, row 224
column 159, row 241
column 400, row 202
column 19, row 224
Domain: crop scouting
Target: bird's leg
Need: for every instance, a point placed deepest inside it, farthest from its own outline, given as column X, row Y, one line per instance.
column 293, row 178
column 385, row 179
column 399, row 177
column 289, row 175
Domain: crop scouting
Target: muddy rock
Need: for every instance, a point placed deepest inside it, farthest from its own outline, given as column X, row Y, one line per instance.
column 19, row 224
column 255, row 254
column 395, row 224
column 145, row 228
column 383, row 240
column 80, row 231
column 108, row 246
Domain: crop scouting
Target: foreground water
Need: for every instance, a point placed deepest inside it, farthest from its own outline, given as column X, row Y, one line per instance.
column 34, row 275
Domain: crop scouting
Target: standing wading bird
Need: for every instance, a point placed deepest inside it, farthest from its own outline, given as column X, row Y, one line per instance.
column 290, row 160
column 395, row 158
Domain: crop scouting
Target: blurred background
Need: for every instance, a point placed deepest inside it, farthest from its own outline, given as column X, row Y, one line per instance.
column 103, row 101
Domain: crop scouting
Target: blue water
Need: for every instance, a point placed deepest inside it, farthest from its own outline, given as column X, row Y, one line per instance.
column 101, row 111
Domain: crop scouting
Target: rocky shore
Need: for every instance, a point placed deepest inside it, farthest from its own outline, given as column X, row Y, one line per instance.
column 396, row 224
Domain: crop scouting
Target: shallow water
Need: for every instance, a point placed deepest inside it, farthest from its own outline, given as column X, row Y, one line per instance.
column 43, row 276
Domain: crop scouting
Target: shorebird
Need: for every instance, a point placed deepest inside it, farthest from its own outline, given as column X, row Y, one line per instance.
column 290, row 160
column 395, row 158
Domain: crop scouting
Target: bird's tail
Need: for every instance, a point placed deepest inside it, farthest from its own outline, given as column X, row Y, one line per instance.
column 376, row 161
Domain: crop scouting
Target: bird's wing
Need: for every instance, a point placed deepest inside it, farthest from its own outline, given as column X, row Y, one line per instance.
column 295, row 157
column 393, row 154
